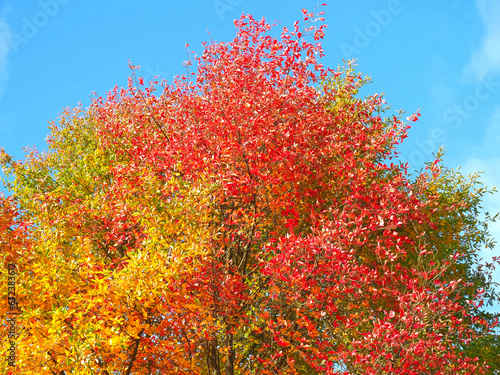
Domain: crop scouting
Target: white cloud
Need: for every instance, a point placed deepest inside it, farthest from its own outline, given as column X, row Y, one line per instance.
column 486, row 60
column 4, row 54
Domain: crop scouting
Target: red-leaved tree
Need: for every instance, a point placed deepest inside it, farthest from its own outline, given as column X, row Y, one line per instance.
column 290, row 239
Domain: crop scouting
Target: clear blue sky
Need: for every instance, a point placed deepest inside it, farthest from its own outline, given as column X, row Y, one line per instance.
column 440, row 56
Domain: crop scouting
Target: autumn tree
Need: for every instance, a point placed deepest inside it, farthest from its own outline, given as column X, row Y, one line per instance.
column 250, row 217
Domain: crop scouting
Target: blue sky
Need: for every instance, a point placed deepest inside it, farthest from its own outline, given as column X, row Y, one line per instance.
column 440, row 56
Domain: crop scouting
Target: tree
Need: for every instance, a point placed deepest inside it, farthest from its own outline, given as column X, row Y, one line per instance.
column 250, row 218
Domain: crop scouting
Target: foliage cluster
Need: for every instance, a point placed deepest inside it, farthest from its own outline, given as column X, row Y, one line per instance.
column 249, row 218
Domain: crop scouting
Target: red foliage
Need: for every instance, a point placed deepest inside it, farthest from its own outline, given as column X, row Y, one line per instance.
column 318, row 261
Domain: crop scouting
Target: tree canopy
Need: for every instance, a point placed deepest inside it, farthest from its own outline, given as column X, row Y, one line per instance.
column 251, row 217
